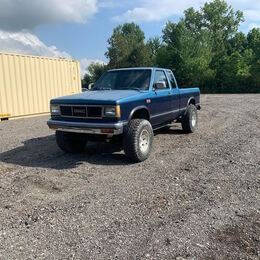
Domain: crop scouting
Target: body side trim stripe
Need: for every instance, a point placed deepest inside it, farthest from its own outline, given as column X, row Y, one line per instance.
column 166, row 113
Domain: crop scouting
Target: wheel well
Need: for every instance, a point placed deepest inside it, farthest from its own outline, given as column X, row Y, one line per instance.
column 192, row 101
column 141, row 114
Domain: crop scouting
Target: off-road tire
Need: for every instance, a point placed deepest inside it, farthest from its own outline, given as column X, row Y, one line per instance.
column 132, row 142
column 187, row 120
column 71, row 142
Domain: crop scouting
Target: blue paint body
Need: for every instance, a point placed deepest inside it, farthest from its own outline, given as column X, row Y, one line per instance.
column 163, row 106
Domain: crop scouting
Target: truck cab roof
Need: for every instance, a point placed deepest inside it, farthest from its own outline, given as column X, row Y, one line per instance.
column 140, row 68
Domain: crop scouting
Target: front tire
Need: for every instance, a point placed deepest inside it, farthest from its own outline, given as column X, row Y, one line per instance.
column 71, row 142
column 189, row 121
column 138, row 139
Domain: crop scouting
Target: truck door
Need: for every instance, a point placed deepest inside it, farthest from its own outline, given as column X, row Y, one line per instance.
column 161, row 100
column 175, row 97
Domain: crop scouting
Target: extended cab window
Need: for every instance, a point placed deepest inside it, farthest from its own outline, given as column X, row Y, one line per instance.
column 171, row 78
column 161, row 77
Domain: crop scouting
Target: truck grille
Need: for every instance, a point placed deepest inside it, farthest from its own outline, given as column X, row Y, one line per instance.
column 94, row 111
column 81, row 111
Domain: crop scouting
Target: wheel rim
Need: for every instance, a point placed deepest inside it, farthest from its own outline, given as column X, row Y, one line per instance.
column 144, row 141
column 193, row 119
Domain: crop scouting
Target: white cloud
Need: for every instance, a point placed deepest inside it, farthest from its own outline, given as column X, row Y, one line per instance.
column 18, row 18
column 154, row 10
column 109, row 4
column 84, row 63
column 27, row 43
column 253, row 25
column 253, row 15
column 16, row 15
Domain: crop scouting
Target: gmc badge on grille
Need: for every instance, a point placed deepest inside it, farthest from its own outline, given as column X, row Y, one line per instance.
column 79, row 111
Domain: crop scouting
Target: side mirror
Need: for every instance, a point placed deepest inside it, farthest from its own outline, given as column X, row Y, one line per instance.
column 159, row 85
column 90, row 86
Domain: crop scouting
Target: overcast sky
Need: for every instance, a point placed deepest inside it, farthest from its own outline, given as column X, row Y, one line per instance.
column 80, row 28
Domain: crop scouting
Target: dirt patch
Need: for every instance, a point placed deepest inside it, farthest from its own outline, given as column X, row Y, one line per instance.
column 243, row 236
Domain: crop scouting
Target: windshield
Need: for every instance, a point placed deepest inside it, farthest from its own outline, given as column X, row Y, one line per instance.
column 124, row 79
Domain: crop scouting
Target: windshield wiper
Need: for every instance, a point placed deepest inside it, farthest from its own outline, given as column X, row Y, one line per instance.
column 102, row 89
column 137, row 89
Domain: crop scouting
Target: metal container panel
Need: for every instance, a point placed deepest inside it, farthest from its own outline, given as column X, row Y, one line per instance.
column 28, row 83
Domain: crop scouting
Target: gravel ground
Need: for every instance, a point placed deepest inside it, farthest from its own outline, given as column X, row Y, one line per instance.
column 196, row 197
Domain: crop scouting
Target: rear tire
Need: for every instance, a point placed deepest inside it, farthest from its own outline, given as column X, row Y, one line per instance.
column 138, row 139
column 189, row 121
column 71, row 142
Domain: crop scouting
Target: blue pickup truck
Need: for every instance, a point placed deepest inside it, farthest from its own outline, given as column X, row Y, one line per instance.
column 127, row 105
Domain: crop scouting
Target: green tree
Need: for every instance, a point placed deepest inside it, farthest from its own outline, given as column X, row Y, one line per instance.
column 154, row 45
column 235, row 72
column 94, row 72
column 221, row 21
column 201, row 43
column 204, row 48
column 253, row 38
column 237, row 43
column 218, row 18
column 186, row 54
column 86, row 80
column 127, row 47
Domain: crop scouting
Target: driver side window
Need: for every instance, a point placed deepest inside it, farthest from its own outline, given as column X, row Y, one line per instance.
column 161, row 77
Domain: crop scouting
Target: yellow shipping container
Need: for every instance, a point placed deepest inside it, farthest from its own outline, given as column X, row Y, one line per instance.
column 27, row 83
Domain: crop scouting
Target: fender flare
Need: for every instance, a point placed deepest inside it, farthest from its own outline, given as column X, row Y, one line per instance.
column 136, row 109
column 191, row 98
column 196, row 105
column 187, row 105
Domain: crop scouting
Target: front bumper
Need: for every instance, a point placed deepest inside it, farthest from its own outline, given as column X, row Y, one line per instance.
column 87, row 128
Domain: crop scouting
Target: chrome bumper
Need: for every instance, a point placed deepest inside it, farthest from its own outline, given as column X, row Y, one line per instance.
column 87, row 128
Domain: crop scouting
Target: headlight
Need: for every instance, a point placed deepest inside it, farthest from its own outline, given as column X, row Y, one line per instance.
column 112, row 111
column 55, row 110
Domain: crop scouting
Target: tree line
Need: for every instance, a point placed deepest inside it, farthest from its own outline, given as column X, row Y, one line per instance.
column 204, row 48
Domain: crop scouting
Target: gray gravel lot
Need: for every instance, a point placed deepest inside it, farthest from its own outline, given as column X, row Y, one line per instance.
column 196, row 197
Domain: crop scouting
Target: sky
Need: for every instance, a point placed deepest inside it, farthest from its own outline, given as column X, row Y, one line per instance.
column 79, row 29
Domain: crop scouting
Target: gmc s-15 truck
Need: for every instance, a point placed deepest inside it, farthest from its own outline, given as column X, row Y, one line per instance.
column 124, row 104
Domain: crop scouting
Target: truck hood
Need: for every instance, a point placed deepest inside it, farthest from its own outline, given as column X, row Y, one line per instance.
column 96, row 97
